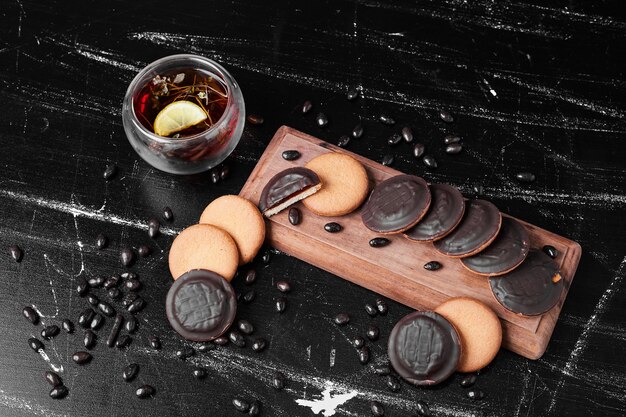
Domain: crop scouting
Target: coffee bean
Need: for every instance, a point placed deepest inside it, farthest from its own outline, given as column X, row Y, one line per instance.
column 101, row 241
column 97, row 321
column 129, row 298
column 478, row 189
column 386, row 120
column 115, row 293
column 93, row 300
column 130, row 372
column 35, row 344
column 387, row 160
column 371, row 310
column 155, row 342
column 377, row 409
column 82, row 287
column 200, row 373
column 372, row 333
column 333, row 227
column 109, row 172
column 250, row 277
column 446, row 116
column 144, row 250
column 357, row 131
column 224, row 171
column 422, row 409
column 432, row 266
column 525, row 177
column 259, row 344
column 394, row 139
column 358, row 342
column 185, row 353
column 16, row 253
column 468, row 380
column 245, row 327
column 381, row 370
column 168, row 214
column 278, row 381
column 112, row 281
column 475, row 394
column 53, row 378
column 123, row 341
column 237, row 338
column 551, row 251
column 68, row 326
column 96, row 282
column 449, row 139
column 115, row 330
column 255, row 408
column 215, row 176
column 280, row 304
column 343, row 141
column 49, row 332
column 131, row 325
column 145, row 391
column 255, row 119
column 267, row 257
column 85, row 318
column 221, row 341
column 59, row 392
column 249, row 296
column 127, row 256
column 306, row 106
column 283, row 286
column 352, row 94
column 342, row 319
column 136, row 305
column 154, row 227
column 290, row 155
column 89, row 339
column 379, row 242
column 129, row 275
column 392, row 383
column 206, row 347
column 132, row 285
column 81, row 357
column 454, row 148
column 295, row 216
column 407, row 134
column 241, row 405
column 31, row 315
column 418, row 150
column 381, row 306
column 430, row 161
column 321, row 120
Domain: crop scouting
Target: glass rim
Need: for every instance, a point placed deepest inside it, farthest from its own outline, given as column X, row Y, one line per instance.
column 225, row 76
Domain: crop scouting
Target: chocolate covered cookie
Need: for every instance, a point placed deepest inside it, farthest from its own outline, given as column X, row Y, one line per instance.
column 287, row 188
column 445, row 213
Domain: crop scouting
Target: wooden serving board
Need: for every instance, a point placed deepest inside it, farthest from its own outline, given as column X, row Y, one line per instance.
column 396, row 271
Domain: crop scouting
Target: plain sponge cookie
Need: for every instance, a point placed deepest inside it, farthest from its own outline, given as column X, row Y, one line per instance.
column 241, row 219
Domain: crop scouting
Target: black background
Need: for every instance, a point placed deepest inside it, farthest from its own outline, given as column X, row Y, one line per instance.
column 557, row 109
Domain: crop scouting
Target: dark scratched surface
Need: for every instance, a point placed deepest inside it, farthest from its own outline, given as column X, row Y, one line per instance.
column 536, row 86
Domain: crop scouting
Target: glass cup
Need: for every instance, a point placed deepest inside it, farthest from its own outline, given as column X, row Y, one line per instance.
column 192, row 154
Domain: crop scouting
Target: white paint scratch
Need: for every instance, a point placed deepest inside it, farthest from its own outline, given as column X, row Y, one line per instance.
column 328, row 404
column 332, row 357
column 16, row 403
column 44, row 355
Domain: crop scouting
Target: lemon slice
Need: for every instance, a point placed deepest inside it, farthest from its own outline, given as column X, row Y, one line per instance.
column 178, row 116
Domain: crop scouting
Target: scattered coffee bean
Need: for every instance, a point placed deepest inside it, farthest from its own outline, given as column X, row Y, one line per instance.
column 381, row 370
column 101, row 241
column 295, row 216
column 454, row 148
column 106, row 309
column 342, row 319
column 93, row 300
column 267, row 257
column 249, row 296
column 109, row 172
column 371, row 310
column 358, row 342
column 478, row 189
column 53, row 378
column 352, row 94
column 449, row 139
column 82, row 287
column 115, row 330
column 407, row 134
column 132, row 285
column 49, row 332
column 432, row 266
column 422, row 409
column 131, row 325
column 130, row 372
column 468, row 380
column 418, row 150
column 306, row 106
column 382, row 307
column 255, row 119
column 525, row 177
column 206, row 347
column 386, row 120
column 154, row 227
column 250, row 277
column 129, row 275
column 221, row 341
column 129, row 298
column 155, row 342
column 97, row 321
column 144, row 250
column 89, row 339
column 168, row 214
column 291, row 155
column 446, row 116
column 377, row 409
column 81, row 357
column 136, row 305
column 68, row 326
column 392, row 383
column 551, row 251
column 16, row 253
column 245, row 327
column 127, row 256
column 278, row 381
column 255, row 409
column 357, row 131
column 115, row 293
column 224, row 171
column 96, row 282
column 144, row 391
column 333, row 227
column 379, row 242
column 372, row 333
column 85, row 318
column 215, row 176
column 31, row 315
column 259, row 344
column 430, row 161
column 112, row 281
column 185, row 353
column 394, row 139
column 283, row 286
column 200, row 373
column 237, row 338
column 475, row 394
column 387, row 160
column 123, row 341
column 35, row 344
column 280, row 304
column 241, row 405
column 343, row 141
column 321, row 120
column 59, row 392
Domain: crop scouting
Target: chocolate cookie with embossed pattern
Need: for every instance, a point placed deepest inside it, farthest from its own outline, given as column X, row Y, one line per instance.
column 445, row 213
